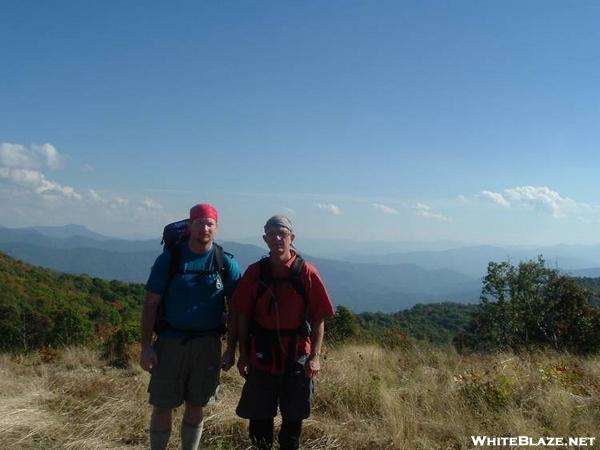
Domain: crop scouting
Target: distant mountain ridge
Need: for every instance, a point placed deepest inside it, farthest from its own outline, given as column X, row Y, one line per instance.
column 470, row 260
column 360, row 286
column 67, row 231
column 349, row 250
column 592, row 272
column 473, row 260
column 41, row 237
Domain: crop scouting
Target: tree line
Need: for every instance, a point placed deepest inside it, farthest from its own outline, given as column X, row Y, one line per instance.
column 43, row 308
column 523, row 307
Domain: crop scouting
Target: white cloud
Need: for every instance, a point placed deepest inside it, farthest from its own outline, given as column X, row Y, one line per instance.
column 22, row 177
column 22, row 167
column 546, row 199
column 36, row 157
column 50, row 156
column 330, row 208
column 21, row 172
column 37, row 182
column 16, row 156
column 496, row 197
column 29, row 196
column 289, row 211
column 150, row 203
column 87, row 168
column 540, row 198
column 146, row 204
column 56, row 190
column 424, row 210
column 95, row 196
column 385, row 209
column 118, row 202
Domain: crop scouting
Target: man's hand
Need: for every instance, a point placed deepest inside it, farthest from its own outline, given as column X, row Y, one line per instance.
column 148, row 358
column 228, row 359
column 242, row 366
column 312, row 366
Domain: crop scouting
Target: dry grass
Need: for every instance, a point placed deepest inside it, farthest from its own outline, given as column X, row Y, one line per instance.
column 418, row 397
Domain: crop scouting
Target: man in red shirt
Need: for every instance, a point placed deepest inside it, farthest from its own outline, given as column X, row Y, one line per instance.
column 281, row 303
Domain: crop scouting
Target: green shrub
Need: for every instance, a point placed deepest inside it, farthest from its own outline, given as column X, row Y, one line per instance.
column 485, row 389
column 116, row 348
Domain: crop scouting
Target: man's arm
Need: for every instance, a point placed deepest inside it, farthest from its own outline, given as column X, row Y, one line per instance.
column 228, row 358
column 233, row 277
column 148, row 357
column 242, row 331
column 313, row 363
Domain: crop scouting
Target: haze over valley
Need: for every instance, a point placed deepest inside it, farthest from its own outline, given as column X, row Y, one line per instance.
column 364, row 278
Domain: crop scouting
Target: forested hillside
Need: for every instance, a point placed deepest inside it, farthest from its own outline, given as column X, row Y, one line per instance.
column 434, row 322
column 39, row 307
column 593, row 285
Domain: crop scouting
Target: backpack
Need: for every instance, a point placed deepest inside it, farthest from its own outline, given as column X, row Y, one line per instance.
column 266, row 279
column 173, row 235
column 267, row 341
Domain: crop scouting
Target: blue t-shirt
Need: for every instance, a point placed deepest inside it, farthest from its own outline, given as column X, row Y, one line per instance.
column 193, row 301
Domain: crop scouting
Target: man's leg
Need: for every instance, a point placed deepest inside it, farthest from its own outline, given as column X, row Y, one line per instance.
column 261, row 433
column 204, row 360
column 289, row 435
column 160, row 428
column 191, row 427
column 165, row 389
column 259, row 404
column 295, row 403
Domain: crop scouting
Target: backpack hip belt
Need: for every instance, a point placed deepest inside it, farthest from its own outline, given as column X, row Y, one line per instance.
column 267, row 344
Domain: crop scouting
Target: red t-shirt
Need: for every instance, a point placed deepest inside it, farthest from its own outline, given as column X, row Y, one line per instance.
column 281, row 307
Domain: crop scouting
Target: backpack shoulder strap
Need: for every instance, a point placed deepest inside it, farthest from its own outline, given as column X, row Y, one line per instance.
column 160, row 322
column 174, row 264
column 265, row 276
column 296, row 276
column 219, row 258
column 222, row 270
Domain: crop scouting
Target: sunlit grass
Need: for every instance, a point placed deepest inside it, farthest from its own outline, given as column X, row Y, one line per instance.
column 368, row 397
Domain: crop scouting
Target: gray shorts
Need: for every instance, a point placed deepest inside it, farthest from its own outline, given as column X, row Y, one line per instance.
column 263, row 393
column 185, row 371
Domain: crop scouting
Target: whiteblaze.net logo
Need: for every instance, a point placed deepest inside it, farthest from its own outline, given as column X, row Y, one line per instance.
column 527, row 441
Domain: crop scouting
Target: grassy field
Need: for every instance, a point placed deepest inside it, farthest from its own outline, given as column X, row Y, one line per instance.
column 368, row 397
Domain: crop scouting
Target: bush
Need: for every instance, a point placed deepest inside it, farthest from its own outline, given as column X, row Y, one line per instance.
column 531, row 306
column 341, row 327
column 485, row 389
column 116, row 347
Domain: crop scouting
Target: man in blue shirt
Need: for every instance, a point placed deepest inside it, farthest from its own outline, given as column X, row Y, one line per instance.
column 185, row 360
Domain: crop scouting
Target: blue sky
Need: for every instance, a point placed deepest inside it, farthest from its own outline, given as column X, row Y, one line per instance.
column 473, row 121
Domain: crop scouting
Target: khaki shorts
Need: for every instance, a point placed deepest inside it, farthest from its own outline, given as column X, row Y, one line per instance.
column 185, row 371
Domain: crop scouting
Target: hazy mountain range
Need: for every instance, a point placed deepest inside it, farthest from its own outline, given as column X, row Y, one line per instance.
column 468, row 259
column 473, row 260
column 362, row 281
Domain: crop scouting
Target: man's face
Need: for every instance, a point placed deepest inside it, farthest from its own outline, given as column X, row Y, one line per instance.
column 279, row 240
column 203, row 230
